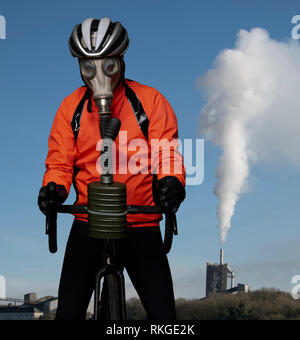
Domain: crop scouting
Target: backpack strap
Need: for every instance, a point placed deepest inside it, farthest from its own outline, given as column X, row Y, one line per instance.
column 138, row 110
column 75, row 123
column 134, row 101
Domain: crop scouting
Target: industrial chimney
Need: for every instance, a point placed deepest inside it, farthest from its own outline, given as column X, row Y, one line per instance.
column 221, row 256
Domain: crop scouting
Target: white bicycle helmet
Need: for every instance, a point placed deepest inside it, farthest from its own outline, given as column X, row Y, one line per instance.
column 98, row 38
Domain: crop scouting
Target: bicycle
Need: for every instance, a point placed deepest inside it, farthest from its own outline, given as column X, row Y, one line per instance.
column 109, row 302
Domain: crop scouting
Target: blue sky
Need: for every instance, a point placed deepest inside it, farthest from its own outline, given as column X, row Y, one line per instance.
column 172, row 44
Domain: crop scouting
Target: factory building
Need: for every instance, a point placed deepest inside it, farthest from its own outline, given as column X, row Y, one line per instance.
column 217, row 277
column 20, row 313
column 31, row 308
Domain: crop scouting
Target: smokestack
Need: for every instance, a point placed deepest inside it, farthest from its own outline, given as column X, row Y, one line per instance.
column 221, row 256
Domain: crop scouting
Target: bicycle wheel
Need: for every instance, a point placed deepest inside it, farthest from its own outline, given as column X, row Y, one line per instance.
column 114, row 307
column 111, row 303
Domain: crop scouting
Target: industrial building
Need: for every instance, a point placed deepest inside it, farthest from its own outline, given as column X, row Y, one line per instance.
column 217, row 277
column 29, row 308
column 20, row 313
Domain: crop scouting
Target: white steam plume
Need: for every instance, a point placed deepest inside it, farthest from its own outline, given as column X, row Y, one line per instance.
column 252, row 112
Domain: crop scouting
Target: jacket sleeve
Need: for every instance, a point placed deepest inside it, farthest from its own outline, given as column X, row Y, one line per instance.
column 166, row 159
column 62, row 150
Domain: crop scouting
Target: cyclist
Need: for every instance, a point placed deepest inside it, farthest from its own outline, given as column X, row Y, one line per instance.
column 73, row 158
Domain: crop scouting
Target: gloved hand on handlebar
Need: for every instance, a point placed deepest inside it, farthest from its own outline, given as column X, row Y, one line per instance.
column 59, row 197
column 171, row 193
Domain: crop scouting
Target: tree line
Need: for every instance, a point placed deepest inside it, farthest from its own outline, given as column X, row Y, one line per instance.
column 264, row 304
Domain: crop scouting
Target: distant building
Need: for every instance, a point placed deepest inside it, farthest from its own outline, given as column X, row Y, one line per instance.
column 30, row 297
column 217, row 276
column 45, row 304
column 31, row 309
column 20, row 313
column 237, row 289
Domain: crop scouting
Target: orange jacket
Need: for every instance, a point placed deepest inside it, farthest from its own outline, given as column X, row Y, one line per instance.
column 74, row 156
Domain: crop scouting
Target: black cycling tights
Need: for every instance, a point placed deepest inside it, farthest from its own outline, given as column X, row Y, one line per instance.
column 140, row 253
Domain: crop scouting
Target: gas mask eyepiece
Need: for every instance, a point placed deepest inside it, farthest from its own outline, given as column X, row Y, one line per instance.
column 88, row 69
column 110, row 67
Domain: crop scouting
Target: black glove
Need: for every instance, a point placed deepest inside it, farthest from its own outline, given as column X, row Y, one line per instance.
column 43, row 199
column 171, row 193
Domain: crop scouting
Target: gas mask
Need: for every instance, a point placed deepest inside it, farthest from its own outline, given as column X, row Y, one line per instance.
column 101, row 76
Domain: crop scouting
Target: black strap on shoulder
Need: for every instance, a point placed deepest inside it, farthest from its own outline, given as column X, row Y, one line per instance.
column 134, row 101
column 75, row 123
column 138, row 110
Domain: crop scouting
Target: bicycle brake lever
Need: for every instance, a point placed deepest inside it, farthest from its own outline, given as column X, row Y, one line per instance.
column 174, row 222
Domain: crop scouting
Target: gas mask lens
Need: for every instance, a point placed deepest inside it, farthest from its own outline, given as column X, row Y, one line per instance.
column 109, row 67
column 88, row 68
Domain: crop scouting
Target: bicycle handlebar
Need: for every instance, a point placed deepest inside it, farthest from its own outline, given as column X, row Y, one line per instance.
column 53, row 209
column 131, row 209
column 51, row 218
